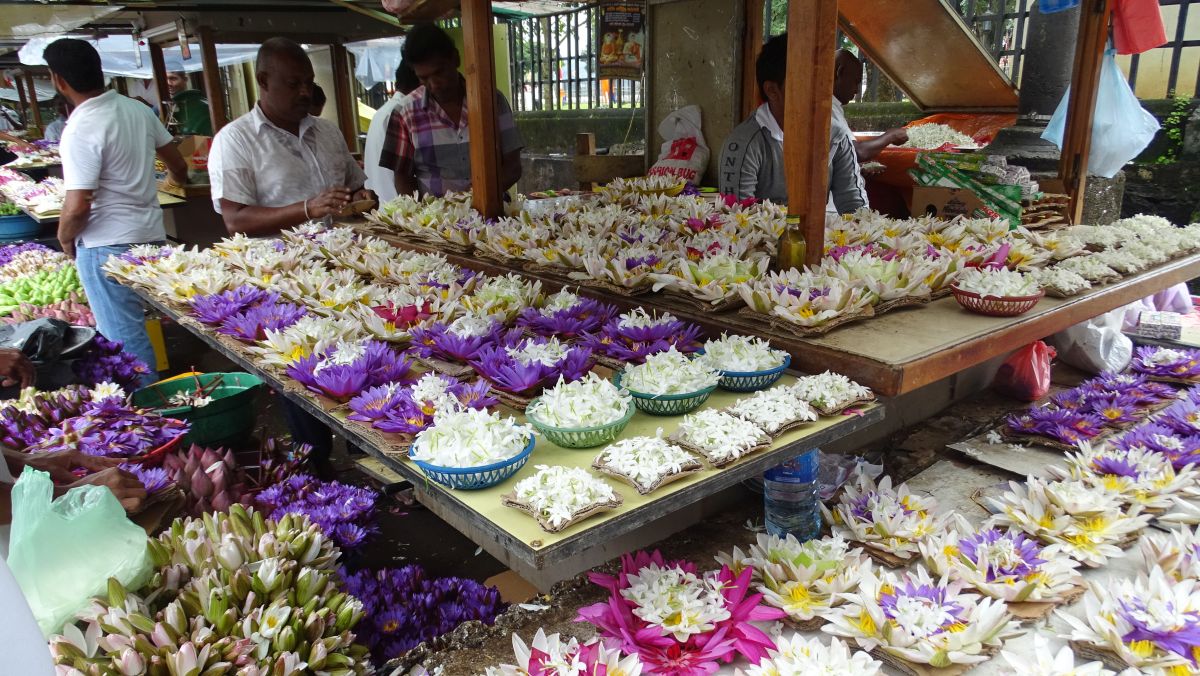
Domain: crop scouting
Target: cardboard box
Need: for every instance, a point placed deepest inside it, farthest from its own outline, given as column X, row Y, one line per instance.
column 947, row 203
column 195, row 151
column 1159, row 325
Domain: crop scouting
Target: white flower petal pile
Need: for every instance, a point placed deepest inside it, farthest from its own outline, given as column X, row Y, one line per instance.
column 741, row 354
column 830, row 391
column 559, row 493
column 670, row 372
column 589, row 402
column 997, row 283
column 645, row 461
column 470, row 438
column 1064, row 281
column 722, row 437
column 934, row 135
column 774, row 409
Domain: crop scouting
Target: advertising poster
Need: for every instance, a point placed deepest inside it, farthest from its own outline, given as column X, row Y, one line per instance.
column 622, row 36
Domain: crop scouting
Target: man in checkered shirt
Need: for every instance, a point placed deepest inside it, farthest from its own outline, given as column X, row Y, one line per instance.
column 427, row 143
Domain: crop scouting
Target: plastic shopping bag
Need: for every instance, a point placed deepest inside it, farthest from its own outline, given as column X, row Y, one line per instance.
column 1121, row 128
column 1138, row 26
column 684, row 152
column 1026, row 374
column 62, row 551
column 1097, row 344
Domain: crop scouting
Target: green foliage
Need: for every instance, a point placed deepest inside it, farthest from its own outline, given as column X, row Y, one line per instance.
column 1173, row 129
column 9, row 209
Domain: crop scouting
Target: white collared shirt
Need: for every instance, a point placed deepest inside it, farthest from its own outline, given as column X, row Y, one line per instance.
column 767, row 121
column 380, row 179
column 255, row 163
column 108, row 147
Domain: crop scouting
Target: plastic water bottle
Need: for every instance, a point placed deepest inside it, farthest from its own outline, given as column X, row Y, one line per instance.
column 790, row 497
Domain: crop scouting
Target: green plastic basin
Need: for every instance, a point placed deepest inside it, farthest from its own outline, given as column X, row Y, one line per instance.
column 226, row 421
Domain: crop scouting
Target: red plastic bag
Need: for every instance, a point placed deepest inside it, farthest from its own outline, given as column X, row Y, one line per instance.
column 1026, row 374
column 1138, row 26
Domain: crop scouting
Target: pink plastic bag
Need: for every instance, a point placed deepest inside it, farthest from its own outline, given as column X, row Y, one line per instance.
column 1026, row 374
column 1137, row 26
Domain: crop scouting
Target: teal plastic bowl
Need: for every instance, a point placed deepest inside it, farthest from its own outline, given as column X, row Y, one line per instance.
column 667, row 404
column 579, row 437
column 17, row 227
column 476, row 478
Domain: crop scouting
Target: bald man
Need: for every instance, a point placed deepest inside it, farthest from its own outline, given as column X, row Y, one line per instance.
column 277, row 166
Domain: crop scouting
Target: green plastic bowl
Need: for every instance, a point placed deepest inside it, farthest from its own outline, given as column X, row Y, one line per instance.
column 667, row 404
column 226, row 421
column 579, row 437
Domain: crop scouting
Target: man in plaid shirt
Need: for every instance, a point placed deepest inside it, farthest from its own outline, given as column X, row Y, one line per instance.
column 427, row 143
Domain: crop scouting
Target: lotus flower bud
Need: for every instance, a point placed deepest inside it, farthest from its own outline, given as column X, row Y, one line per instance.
column 208, row 458
column 130, row 663
column 161, row 637
column 229, row 555
column 200, row 484
column 221, row 501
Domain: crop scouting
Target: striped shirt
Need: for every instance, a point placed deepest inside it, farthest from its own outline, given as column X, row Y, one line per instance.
column 422, row 140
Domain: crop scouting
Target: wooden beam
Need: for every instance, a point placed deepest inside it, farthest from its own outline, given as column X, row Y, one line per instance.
column 1094, row 18
column 752, row 42
column 158, row 65
column 808, row 99
column 212, row 79
column 24, row 116
column 480, row 69
column 33, row 101
column 585, row 146
column 343, row 95
column 366, row 11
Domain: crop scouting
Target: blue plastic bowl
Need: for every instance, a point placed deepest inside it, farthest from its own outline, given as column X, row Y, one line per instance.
column 476, row 478
column 18, row 227
column 752, row 381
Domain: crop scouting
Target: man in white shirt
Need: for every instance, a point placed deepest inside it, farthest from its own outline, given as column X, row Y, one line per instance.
column 108, row 149
column 382, row 180
column 277, row 166
column 54, row 130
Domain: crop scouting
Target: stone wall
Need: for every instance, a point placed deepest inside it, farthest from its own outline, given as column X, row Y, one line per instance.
column 554, row 131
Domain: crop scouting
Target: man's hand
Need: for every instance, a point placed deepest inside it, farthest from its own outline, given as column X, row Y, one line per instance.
column 330, row 202
column 15, row 368
column 897, row 136
column 68, row 247
column 363, row 194
column 128, row 489
column 60, row 463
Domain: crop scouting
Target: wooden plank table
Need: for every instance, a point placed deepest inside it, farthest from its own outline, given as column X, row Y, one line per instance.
column 902, row 350
column 515, row 538
column 165, row 200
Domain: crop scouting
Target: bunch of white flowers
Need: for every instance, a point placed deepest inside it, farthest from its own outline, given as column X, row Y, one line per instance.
column 558, row 495
column 645, row 462
column 589, row 402
column 997, row 283
column 831, row 392
column 720, row 436
column 670, row 372
column 774, row 410
column 470, row 438
column 741, row 354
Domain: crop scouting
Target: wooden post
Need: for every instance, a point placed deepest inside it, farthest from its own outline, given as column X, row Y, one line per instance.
column 33, row 101
column 480, row 69
column 808, row 100
column 585, row 144
column 343, row 95
column 1094, row 18
column 24, row 116
column 752, row 42
column 212, row 79
column 159, row 66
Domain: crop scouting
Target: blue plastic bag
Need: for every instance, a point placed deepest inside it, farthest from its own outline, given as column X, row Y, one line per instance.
column 1121, row 128
column 1052, row 6
column 62, row 551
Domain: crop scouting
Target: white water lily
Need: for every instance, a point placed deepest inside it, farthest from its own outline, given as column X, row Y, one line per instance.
column 1004, row 565
column 713, row 278
column 470, row 438
column 741, row 354
column 669, row 372
column 830, row 391
column 798, row 655
column 1150, row 622
column 1181, row 512
column 721, row 436
column 921, row 619
column 645, row 462
column 1139, row 476
column 1087, row 522
column 503, row 297
column 589, row 402
column 102, row 391
column 803, row 579
column 808, row 300
column 1043, row 662
column 1177, row 553
column 774, row 409
column 682, row 604
column 558, row 494
column 552, row 655
column 888, row 520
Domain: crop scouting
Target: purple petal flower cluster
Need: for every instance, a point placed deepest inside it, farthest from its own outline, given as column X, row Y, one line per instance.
column 340, row 380
column 110, row 428
column 158, row 254
column 1139, row 387
column 20, row 429
column 154, row 479
column 1166, row 363
column 395, row 409
column 214, row 309
column 1065, row 426
column 404, row 607
column 252, row 324
column 438, row 341
column 1113, row 400
column 11, row 251
column 634, row 344
column 924, row 594
column 343, row 512
column 1182, row 449
column 1183, row 416
column 1183, row 640
column 585, row 316
column 105, row 361
column 510, row 373
column 1028, row 553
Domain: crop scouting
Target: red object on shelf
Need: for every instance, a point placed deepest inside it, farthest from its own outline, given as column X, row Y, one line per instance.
column 1137, row 26
column 155, row 457
column 996, row 307
column 1026, row 374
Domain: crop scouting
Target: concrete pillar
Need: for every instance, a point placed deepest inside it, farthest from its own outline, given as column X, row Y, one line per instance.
column 1046, row 61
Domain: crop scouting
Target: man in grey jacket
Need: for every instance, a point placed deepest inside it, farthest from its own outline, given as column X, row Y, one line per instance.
column 752, row 157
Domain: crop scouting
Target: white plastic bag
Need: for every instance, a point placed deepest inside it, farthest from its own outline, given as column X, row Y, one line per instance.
column 1097, row 344
column 1175, row 299
column 684, row 152
column 62, row 551
column 1121, row 128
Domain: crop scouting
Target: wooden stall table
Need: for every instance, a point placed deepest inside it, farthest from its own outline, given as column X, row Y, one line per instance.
column 513, row 537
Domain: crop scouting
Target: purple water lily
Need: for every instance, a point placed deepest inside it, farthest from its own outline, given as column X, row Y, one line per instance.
column 1115, row 465
column 504, row 367
column 633, row 344
column 106, row 361
column 1183, row 640
column 585, row 315
column 375, row 403
column 932, row 597
column 252, row 324
column 406, row 418
column 215, row 308
column 1063, row 425
column 342, row 511
column 110, row 429
column 441, row 341
column 1166, row 363
column 154, row 479
column 1183, row 416
column 1182, row 450
column 1008, row 553
column 1114, row 410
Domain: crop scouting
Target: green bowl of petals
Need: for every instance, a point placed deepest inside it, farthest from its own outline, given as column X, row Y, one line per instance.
column 578, row 437
column 667, row 404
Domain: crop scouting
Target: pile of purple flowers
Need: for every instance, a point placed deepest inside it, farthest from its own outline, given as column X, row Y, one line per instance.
column 404, row 607
column 21, row 429
column 154, row 479
column 346, row 370
column 246, row 313
column 1108, row 401
column 632, row 344
column 105, row 361
column 513, row 366
column 1024, row 558
column 443, row 341
column 585, row 316
column 1162, row 362
column 1181, row 449
column 409, row 409
column 111, row 428
column 342, row 511
column 9, row 252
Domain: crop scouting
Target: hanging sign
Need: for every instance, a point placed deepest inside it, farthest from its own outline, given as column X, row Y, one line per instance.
column 622, row 39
